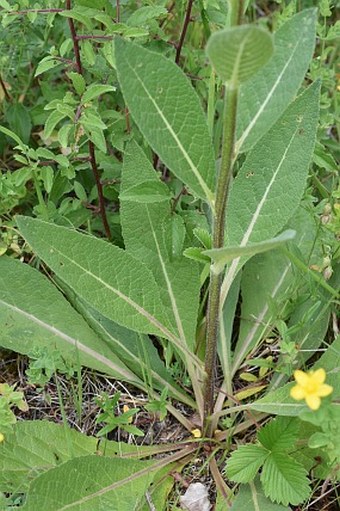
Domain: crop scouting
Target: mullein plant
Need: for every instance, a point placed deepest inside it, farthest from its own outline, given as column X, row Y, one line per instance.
column 175, row 286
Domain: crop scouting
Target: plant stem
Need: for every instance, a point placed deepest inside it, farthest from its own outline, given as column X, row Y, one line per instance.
column 184, row 30
column 229, row 124
column 92, row 154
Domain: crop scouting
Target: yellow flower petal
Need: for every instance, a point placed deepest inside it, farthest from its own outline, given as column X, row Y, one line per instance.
column 301, row 377
column 313, row 402
column 325, row 390
column 297, row 392
column 319, row 376
column 197, row 433
column 2, row 437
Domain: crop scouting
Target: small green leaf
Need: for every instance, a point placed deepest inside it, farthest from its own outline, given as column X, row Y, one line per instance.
column 237, row 53
column 222, row 256
column 45, row 64
column 78, row 82
column 52, row 121
column 245, row 462
column 95, row 90
column 19, row 121
column 142, row 15
column 96, row 135
column 197, row 254
column 12, row 135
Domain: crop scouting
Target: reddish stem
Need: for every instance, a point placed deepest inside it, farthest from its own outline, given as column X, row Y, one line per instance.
column 184, row 30
column 38, row 11
column 92, row 154
column 82, row 37
column 100, row 189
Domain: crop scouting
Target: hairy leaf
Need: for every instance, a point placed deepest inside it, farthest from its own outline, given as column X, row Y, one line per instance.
column 36, row 446
column 272, row 275
column 35, row 315
column 148, row 235
column 270, row 184
column 91, row 482
column 116, row 284
column 222, row 256
column 264, row 98
column 237, row 53
column 169, row 115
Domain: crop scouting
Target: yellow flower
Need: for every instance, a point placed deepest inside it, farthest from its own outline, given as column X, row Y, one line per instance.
column 2, row 437
column 311, row 387
column 197, row 433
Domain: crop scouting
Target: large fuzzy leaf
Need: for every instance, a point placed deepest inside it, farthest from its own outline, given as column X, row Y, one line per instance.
column 265, row 284
column 91, row 482
column 36, row 446
column 270, row 184
column 168, row 112
column 237, row 53
column 116, row 284
column 264, row 98
column 35, row 315
column 149, row 231
column 138, row 353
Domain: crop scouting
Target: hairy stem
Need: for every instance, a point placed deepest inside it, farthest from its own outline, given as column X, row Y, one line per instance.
column 229, row 124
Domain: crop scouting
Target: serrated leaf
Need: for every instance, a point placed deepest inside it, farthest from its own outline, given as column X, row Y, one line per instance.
column 32, row 447
column 237, row 53
column 271, row 182
column 280, row 434
column 43, row 318
column 148, row 232
column 222, row 256
column 118, row 484
column 110, row 279
column 245, row 462
column 251, row 498
column 284, row 480
column 95, row 90
column 169, row 115
column 264, row 98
